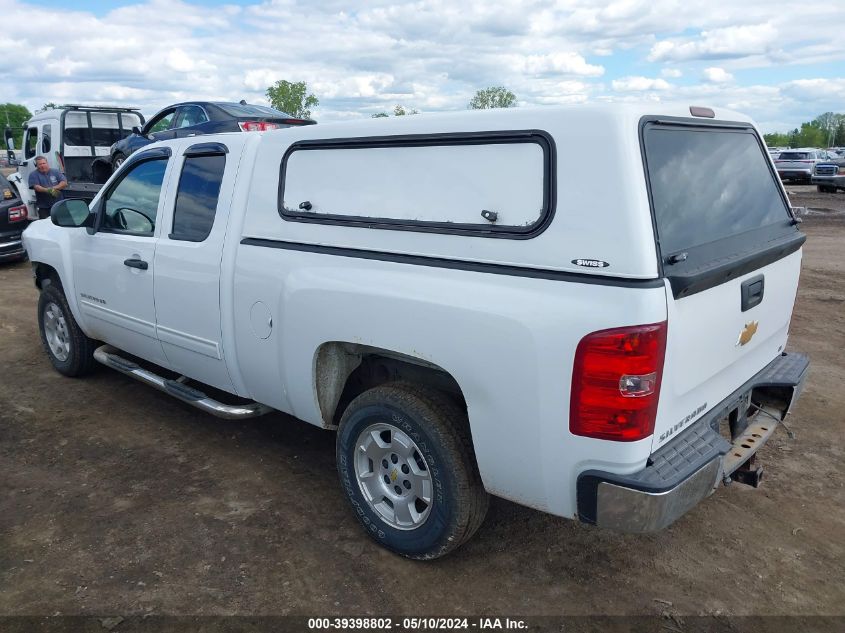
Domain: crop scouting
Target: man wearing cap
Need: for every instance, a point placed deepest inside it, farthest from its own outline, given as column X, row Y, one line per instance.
column 47, row 184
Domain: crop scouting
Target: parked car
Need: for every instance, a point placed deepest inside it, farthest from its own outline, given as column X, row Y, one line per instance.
column 13, row 220
column 797, row 164
column 829, row 176
column 420, row 285
column 202, row 117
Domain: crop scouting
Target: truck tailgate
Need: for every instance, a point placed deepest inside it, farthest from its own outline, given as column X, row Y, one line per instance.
column 713, row 347
column 731, row 255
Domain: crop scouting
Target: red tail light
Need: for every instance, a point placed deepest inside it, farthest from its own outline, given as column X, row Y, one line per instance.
column 616, row 383
column 256, row 126
column 17, row 214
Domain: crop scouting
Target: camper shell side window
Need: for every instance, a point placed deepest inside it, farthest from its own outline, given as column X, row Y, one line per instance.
column 488, row 184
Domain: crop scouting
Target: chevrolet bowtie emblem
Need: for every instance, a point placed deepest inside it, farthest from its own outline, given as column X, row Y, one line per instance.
column 747, row 333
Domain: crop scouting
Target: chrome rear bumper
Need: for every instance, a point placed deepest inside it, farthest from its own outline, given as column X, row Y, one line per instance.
column 687, row 470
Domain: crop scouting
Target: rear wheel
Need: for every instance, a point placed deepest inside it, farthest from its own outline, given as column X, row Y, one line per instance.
column 67, row 347
column 407, row 467
column 117, row 161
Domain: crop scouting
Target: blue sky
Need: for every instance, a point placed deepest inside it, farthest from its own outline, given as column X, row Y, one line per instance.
column 776, row 60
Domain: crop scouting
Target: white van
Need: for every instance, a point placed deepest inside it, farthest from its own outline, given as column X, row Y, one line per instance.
column 474, row 307
column 71, row 138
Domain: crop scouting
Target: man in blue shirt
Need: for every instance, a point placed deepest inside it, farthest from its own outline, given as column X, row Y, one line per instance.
column 47, row 184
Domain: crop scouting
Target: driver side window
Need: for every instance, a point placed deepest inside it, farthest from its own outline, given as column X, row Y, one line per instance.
column 132, row 206
column 30, row 142
column 162, row 124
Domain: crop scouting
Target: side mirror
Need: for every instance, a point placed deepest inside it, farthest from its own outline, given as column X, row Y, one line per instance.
column 10, row 139
column 71, row 213
column 136, row 130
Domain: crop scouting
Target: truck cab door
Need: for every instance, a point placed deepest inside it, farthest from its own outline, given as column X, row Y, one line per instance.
column 188, row 261
column 114, row 266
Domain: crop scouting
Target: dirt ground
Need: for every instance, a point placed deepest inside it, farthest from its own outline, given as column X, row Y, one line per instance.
column 116, row 499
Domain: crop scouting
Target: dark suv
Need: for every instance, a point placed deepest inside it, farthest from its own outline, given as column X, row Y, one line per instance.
column 202, row 117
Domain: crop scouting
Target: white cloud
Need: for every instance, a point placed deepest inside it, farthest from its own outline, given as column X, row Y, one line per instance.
column 560, row 63
column 364, row 56
column 729, row 42
column 717, row 75
column 639, row 84
column 180, row 61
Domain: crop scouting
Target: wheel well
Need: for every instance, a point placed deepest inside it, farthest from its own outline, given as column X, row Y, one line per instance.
column 345, row 370
column 44, row 272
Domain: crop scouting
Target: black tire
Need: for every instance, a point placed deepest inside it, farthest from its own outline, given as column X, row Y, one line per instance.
column 439, row 430
column 117, row 160
column 79, row 357
column 825, row 189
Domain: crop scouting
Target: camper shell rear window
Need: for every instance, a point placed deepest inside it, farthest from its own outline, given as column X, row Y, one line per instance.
column 717, row 204
column 492, row 184
column 710, row 184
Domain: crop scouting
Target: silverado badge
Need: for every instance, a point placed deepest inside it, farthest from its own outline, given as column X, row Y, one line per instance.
column 748, row 331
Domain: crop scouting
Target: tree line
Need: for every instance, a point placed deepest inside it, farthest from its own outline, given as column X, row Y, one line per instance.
column 293, row 98
column 826, row 130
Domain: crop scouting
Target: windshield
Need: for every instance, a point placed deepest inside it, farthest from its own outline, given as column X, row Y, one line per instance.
column 238, row 110
column 794, row 156
column 709, row 184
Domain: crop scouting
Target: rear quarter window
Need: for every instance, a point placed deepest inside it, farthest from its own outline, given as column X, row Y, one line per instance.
column 196, row 198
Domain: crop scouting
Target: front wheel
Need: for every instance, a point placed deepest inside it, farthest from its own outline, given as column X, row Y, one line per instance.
column 117, row 161
column 67, row 347
column 407, row 467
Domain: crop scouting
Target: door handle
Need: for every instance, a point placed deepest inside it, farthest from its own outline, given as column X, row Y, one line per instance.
column 136, row 263
column 751, row 292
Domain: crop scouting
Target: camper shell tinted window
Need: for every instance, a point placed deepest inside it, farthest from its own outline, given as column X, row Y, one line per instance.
column 718, row 208
column 709, row 184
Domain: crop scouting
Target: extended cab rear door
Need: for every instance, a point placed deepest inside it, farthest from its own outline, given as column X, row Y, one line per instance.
column 188, row 258
column 730, row 251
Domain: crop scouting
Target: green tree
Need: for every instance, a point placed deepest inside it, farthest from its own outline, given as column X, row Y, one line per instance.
column 810, row 135
column 839, row 138
column 47, row 106
column 776, row 139
column 13, row 115
column 292, row 98
column 493, row 97
column 397, row 111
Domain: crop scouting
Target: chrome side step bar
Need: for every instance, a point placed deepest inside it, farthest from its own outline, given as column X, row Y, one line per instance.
column 109, row 356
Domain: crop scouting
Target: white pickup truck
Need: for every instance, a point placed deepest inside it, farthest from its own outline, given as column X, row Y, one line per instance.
column 475, row 308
